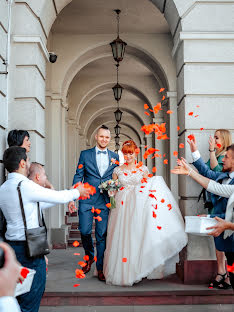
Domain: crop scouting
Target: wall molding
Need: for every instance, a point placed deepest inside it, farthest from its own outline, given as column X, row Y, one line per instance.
column 33, row 39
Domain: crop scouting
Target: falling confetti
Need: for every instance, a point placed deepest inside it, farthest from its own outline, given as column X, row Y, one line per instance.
column 76, row 244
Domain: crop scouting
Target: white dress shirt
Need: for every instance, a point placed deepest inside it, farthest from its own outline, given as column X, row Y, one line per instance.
column 31, row 194
column 102, row 160
column 9, row 304
column 227, row 191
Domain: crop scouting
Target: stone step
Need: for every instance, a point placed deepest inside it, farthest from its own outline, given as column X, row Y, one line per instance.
column 73, row 239
column 74, row 233
column 139, row 298
column 142, row 308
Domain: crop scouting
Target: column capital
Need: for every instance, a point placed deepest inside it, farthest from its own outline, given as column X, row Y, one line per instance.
column 171, row 94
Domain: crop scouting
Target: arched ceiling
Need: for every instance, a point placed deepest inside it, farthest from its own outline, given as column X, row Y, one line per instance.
column 89, row 16
column 90, row 76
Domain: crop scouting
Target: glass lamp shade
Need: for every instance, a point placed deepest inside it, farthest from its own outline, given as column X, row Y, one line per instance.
column 117, row 129
column 117, row 146
column 117, row 138
column 117, row 89
column 118, row 115
column 118, row 49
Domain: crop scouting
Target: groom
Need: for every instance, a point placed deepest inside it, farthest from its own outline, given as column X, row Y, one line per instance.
column 95, row 166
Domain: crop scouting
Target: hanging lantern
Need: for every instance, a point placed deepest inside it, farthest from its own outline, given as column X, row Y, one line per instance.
column 118, row 115
column 117, row 138
column 117, row 129
column 118, row 45
column 117, row 147
column 117, row 89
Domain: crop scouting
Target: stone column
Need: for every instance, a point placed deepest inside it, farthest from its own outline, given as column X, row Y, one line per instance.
column 149, row 160
column 142, row 151
column 159, row 144
column 205, row 103
column 73, row 148
column 173, row 142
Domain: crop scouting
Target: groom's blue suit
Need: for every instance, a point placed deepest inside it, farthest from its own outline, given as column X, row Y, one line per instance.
column 90, row 173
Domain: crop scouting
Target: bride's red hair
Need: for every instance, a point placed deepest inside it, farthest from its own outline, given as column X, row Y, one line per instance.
column 129, row 147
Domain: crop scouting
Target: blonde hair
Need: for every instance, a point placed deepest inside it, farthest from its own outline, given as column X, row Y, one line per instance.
column 226, row 137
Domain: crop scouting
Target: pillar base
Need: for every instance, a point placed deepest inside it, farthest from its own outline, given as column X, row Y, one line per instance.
column 59, row 237
column 197, row 271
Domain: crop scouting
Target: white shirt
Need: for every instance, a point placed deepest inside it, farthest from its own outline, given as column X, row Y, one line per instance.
column 9, row 304
column 196, row 155
column 31, row 194
column 102, row 160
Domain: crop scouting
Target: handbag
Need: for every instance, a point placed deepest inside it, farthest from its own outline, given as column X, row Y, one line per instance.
column 36, row 239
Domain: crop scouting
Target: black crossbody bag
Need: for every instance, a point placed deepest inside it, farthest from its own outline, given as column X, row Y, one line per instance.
column 36, row 238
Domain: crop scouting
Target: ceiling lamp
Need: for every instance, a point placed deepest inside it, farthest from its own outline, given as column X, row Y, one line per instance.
column 117, row 138
column 118, row 45
column 117, row 129
column 117, row 89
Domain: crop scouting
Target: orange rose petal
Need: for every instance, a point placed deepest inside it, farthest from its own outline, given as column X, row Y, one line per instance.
column 80, row 166
column 76, row 285
column 98, row 211
column 191, row 137
column 181, row 145
column 201, row 129
column 162, row 200
column 86, row 258
column 175, row 153
column 165, row 161
column 159, row 227
column 146, row 106
column 124, row 260
column 154, row 169
column 169, row 111
column 150, row 175
column 82, row 264
column 169, row 206
column 161, row 90
column 95, row 259
column 121, row 202
column 190, row 113
column 76, row 244
column 218, row 145
column 148, row 114
column 178, row 128
column 154, row 215
column 108, row 205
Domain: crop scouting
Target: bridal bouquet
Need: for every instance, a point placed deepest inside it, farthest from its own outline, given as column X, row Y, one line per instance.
column 110, row 186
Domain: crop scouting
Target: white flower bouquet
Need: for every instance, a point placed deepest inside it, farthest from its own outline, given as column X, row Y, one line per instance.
column 111, row 186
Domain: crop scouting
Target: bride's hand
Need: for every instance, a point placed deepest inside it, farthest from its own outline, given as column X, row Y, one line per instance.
column 112, row 193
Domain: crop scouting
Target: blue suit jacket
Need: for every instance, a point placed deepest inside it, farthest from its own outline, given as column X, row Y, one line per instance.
column 90, row 173
column 219, row 203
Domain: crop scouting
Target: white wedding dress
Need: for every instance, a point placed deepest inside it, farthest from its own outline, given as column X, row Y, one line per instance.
column 150, row 244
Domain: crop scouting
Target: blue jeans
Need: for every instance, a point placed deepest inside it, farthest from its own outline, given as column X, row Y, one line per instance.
column 85, row 227
column 30, row 302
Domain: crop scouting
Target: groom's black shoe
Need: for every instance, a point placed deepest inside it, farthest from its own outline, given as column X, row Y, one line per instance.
column 101, row 276
column 87, row 268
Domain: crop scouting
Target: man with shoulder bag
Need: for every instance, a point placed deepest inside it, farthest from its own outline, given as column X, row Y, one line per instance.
column 26, row 234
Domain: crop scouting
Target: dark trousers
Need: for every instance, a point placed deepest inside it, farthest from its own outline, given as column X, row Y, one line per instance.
column 230, row 261
column 30, row 302
column 85, row 227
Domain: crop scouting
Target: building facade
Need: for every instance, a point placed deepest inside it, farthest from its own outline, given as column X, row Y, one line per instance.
column 184, row 46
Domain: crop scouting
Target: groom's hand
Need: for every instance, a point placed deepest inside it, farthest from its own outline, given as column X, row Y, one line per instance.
column 71, row 207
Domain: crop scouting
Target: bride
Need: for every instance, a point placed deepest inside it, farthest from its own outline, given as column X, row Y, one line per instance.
column 146, row 230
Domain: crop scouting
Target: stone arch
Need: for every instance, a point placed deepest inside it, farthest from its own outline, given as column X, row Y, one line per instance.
column 102, row 50
column 110, row 108
column 91, row 139
column 107, row 87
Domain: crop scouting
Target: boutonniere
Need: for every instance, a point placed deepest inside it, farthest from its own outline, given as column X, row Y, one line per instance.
column 114, row 162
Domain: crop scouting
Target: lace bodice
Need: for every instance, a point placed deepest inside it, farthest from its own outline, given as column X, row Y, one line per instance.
column 130, row 177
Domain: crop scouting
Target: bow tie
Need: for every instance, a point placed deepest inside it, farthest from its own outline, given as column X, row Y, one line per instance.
column 101, row 152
